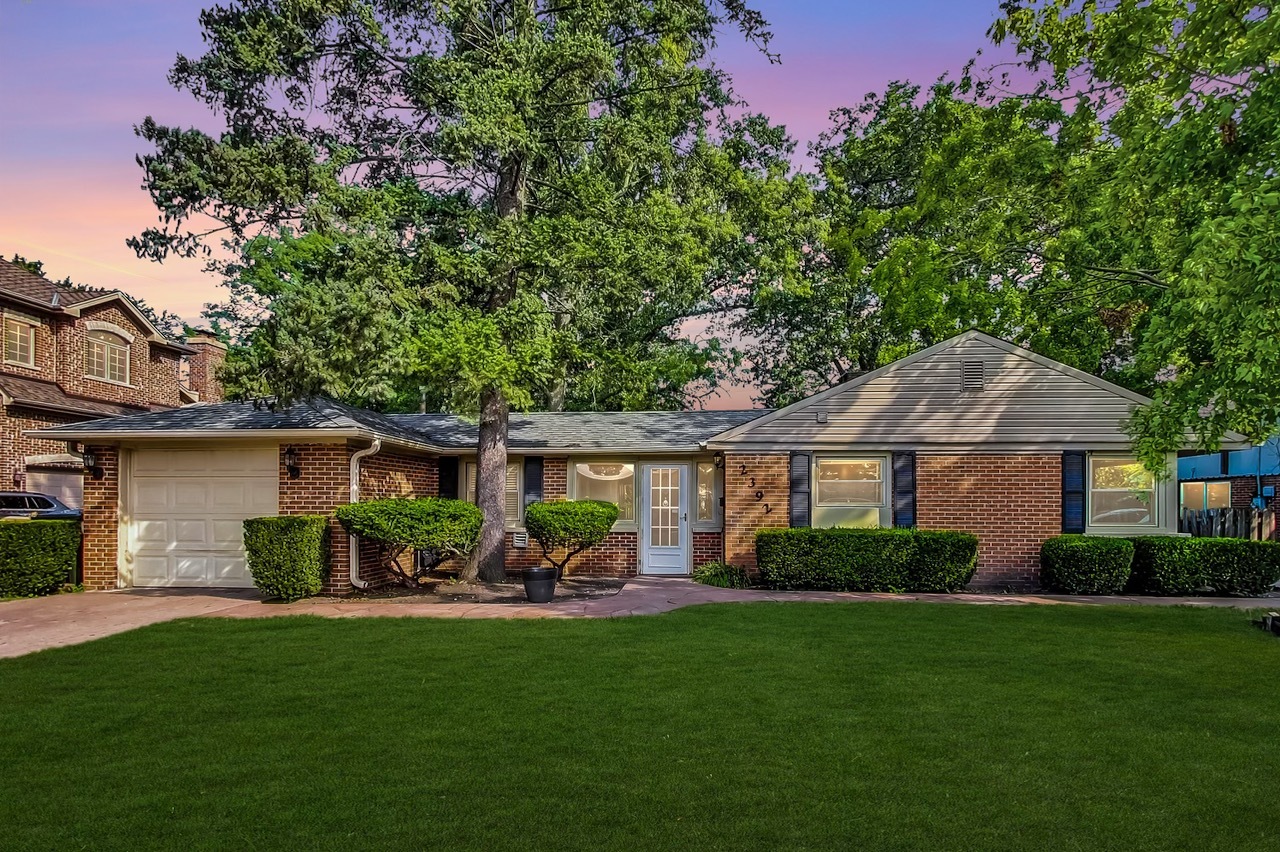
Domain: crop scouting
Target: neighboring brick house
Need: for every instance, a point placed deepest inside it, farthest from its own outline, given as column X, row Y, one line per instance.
column 973, row 434
column 72, row 355
column 1239, row 479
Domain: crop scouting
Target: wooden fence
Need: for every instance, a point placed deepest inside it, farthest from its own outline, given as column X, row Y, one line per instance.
column 1229, row 523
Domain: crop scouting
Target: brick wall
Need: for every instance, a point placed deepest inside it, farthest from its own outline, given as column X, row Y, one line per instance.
column 555, row 479
column 153, row 373
column 322, row 486
column 707, row 547
column 616, row 556
column 15, row 446
column 1011, row 502
column 101, row 524
column 203, row 367
column 744, row 515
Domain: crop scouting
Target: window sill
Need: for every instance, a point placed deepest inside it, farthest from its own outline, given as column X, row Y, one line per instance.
column 111, row 382
column 21, row 364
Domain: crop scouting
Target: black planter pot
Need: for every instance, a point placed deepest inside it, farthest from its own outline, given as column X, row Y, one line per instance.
column 539, row 584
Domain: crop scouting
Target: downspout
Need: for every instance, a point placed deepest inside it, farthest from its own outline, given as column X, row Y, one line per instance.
column 353, row 544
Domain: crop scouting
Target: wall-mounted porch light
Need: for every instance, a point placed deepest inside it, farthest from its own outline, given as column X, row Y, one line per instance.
column 293, row 462
column 718, row 460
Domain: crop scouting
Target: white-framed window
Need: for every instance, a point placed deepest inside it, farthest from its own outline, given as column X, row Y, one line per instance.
column 107, row 357
column 849, row 482
column 514, row 503
column 708, row 493
column 19, row 342
column 611, row 481
column 1122, row 493
column 1206, row 495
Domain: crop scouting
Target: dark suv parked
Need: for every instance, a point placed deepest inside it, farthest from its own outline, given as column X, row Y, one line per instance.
column 25, row 504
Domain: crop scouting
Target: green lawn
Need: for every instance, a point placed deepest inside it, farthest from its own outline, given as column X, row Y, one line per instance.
column 861, row 726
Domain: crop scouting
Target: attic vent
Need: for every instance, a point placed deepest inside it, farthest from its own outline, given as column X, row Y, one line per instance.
column 973, row 376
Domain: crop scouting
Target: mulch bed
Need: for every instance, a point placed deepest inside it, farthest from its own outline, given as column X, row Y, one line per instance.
column 447, row 589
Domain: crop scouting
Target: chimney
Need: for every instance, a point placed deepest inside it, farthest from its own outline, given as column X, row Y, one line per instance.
column 203, row 366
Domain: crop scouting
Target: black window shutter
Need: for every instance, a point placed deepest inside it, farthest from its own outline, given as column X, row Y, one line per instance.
column 1073, row 489
column 904, row 490
column 448, row 472
column 799, row 514
column 532, row 479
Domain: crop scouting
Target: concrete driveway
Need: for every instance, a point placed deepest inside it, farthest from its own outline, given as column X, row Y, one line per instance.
column 38, row 623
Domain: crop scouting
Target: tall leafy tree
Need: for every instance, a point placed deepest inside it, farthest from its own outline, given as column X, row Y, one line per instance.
column 938, row 209
column 1187, row 94
column 469, row 174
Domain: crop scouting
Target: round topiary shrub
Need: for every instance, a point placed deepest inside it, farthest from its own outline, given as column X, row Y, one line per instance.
column 568, row 526
column 439, row 528
column 1085, row 565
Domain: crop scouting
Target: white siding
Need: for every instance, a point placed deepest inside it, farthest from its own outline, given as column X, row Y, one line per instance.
column 1023, row 404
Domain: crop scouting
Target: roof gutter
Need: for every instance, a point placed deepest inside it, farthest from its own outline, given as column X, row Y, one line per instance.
column 353, row 544
column 63, row 433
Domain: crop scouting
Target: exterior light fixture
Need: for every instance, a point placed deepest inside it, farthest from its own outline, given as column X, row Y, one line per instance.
column 718, row 460
column 293, row 462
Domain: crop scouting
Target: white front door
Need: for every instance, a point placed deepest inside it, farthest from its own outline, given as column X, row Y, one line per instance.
column 664, row 529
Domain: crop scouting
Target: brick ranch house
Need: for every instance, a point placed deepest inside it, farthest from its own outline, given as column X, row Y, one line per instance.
column 972, row 434
column 73, row 355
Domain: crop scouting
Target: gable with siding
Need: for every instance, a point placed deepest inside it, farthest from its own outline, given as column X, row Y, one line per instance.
column 972, row 392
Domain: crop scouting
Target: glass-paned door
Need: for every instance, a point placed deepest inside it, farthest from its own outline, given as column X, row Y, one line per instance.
column 664, row 533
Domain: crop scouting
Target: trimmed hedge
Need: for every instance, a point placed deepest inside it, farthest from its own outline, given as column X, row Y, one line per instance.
column 1086, row 565
column 866, row 560
column 426, row 523
column 440, row 528
column 722, row 574
column 288, row 555
column 573, row 525
column 1176, row 565
column 37, row 557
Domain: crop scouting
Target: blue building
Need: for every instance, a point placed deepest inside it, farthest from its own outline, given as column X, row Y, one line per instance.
column 1238, row 478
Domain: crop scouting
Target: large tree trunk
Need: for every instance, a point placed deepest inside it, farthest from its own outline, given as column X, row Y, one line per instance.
column 488, row 561
column 489, row 564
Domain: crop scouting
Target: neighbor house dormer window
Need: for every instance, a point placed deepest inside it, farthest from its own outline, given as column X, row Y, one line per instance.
column 107, row 357
column 19, row 342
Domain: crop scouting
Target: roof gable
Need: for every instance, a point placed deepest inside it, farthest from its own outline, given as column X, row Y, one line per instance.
column 1026, row 399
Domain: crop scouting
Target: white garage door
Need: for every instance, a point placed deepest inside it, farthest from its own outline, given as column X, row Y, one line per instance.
column 67, row 486
column 187, row 509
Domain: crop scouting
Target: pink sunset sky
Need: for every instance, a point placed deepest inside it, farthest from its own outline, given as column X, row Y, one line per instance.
column 76, row 75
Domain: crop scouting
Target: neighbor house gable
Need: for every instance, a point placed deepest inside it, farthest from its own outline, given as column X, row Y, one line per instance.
column 972, row 391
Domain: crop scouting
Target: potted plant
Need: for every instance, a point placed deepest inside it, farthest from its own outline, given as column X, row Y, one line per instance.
column 564, row 528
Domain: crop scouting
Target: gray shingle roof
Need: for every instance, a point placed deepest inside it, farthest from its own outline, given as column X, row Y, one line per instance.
column 639, row 431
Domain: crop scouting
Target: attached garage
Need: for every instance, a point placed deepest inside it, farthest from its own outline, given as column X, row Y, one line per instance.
column 185, row 509
column 66, row 485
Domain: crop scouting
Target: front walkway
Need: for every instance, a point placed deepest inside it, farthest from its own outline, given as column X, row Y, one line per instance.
column 39, row 623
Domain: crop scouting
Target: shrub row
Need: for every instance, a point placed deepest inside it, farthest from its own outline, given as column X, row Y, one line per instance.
column 37, row 557
column 1159, row 565
column 288, row 555
column 866, row 560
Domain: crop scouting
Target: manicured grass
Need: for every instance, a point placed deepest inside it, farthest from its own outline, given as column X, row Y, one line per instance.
column 792, row 726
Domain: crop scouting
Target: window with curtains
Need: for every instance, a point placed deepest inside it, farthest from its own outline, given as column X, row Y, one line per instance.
column 1122, row 492
column 1206, row 495
column 515, row 506
column 19, row 342
column 850, row 482
column 613, row 482
column 107, row 357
